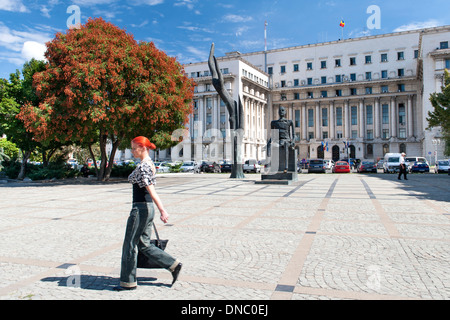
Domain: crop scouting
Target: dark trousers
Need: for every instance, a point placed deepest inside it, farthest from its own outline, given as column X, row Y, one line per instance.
column 402, row 171
column 137, row 237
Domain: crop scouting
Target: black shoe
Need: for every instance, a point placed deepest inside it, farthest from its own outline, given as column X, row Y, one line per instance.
column 406, row 178
column 120, row 288
column 399, row 178
column 176, row 272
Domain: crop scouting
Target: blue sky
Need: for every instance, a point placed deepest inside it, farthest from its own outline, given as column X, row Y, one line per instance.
column 186, row 28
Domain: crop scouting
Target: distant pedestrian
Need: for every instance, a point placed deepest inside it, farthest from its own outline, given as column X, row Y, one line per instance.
column 402, row 167
column 85, row 171
column 140, row 221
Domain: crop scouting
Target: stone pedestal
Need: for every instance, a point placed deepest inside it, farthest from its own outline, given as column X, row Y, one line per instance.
column 281, row 177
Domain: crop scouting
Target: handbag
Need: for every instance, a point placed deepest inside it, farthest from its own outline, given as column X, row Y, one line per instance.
column 143, row 261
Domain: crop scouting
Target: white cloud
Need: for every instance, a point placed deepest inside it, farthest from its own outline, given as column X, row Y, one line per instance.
column 187, row 3
column 33, row 49
column 236, row 18
column 13, row 5
column 418, row 25
column 19, row 46
column 147, row 2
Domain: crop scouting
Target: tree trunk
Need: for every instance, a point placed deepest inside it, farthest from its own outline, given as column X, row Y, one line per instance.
column 115, row 146
column 23, row 167
column 93, row 159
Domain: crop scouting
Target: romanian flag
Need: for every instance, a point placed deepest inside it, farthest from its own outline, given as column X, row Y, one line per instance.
column 342, row 24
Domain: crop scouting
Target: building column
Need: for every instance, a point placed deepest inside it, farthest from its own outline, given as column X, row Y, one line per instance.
column 377, row 119
column 410, row 117
column 346, row 120
column 361, row 119
column 332, row 124
column 393, row 118
column 304, row 123
column 317, row 118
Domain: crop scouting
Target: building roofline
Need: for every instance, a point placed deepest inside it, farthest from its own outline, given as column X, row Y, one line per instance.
column 392, row 34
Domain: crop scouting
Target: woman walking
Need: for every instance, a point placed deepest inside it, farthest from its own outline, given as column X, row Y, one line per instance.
column 140, row 221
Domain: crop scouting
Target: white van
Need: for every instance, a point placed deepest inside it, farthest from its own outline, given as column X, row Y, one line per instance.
column 391, row 162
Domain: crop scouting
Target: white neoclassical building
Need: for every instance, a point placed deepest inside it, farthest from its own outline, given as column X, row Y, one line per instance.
column 370, row 93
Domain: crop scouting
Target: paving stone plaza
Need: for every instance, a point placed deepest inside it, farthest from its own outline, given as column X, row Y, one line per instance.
column 327, row 236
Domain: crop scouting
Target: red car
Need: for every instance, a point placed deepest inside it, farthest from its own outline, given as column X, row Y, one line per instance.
column 341, row 167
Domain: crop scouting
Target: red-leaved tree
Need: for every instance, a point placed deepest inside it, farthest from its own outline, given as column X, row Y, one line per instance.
column 101, row 85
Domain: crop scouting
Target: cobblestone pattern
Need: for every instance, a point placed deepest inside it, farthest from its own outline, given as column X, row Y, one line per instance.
column 326, row 237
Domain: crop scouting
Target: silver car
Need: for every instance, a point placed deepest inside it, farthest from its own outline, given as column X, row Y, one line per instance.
column 190, row 166
column 442, row 166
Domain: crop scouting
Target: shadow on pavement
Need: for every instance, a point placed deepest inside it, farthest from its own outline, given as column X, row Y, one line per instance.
column 100, row 283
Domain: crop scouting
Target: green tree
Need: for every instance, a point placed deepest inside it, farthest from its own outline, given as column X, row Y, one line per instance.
column 14, row 95
column 440, row 116
column 100, row 85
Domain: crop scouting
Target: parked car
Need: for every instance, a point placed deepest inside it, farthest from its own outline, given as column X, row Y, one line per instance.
column 317, row 165
column 409, row 161
column 225, row 166
column 162, row 167
column 419, row 167
column 251, row 166
column 442, row 166
column 329, row 164
column 190, row 166
column 367, row 166
column 341, row 167
column 380, row 164
column 210, row 166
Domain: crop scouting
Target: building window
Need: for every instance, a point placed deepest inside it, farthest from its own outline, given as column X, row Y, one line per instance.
column 309, row 81
column 296, row 82
column 401, row 72
column 368, row 59
column 222, row 118
column 283, row 83
column 310, row 135
column 401, row 88
column 283, row 69
column 447, row 63
column 368, row 90
column 369, row 114
column 353, row 91
column 338, row 78
column 354, row 116
column 353, row 76
column 324, row 117
column 385, row 149
column 353, row 61
column 339, row 93
column 323, row 64
column 354, row 134
column 310, row 95
column 369, row 134
column 416, row 54
column 297, row 137
column 339, row 134
column 385, row 134
column 296, row 96
column 369, row 150
column 384, row 89
column 384, row 57
column 309, row 66
column 402, row 133
column 368, row 75
column 297, row 118
column 401, row 114
column 337, row 62
column 295, row 67
column 270, row 70
column 323, row 80
column 400, row 55
column 444, row 45
column 384, row 74
column 402, row 148
column 339, row 116
column 310, row 118
column 324, row 94
column 385, row 113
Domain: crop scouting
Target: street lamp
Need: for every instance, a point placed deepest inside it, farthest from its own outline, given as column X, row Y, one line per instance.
column 436, row 142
